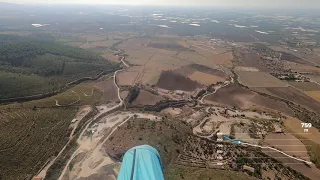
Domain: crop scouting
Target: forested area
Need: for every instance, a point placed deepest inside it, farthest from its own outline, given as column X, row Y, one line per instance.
column 31, row 65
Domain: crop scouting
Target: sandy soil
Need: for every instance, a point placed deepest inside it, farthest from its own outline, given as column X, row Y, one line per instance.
column 90, row 145
column 147, row 98
column 124, row 94
column 172, row 111
column 205, row 79
column 244, row 68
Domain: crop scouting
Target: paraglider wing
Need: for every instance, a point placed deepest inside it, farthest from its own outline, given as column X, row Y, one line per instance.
column 141, row 163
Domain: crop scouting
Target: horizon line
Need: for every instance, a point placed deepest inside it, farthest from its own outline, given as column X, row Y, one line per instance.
column 161, row 5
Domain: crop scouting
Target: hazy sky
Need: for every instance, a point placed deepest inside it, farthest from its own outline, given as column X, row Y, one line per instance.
column 238, row 3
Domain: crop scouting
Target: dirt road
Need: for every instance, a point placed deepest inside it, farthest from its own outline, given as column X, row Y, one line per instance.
column 43, row 172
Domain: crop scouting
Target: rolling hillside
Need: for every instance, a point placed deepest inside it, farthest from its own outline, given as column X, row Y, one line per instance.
column 30, row 66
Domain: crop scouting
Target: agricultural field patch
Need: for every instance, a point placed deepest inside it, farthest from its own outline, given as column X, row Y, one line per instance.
column 224, row 59
column 192, row 68
column 147, row 98
column 127, row 78
column 292, row 95
column 164, row 62
column 314, row 94
column 195, row 58
column 272, row 104
column 292, row 58
column 150, row 77
column 259, row 79
column 172, row 81
column 108, row 90
column 302, row 68
column 233, row 95
column 294, row 126
column 205, row 79
column 138, row 57
column 305, row 86
column 134, row 44
column 310, row 139
column 166, row 45
column 289, row 144
column 249, row 60
column 314, row 78
column 92, row 37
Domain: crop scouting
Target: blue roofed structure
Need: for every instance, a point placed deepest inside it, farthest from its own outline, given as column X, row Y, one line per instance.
column 141, row 163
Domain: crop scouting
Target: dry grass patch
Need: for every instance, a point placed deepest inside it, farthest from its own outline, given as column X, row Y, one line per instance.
column 127, row 78
column 314, row 94
column 108, row 90
column 224, row 59
column 244, row 68
column 204, row 78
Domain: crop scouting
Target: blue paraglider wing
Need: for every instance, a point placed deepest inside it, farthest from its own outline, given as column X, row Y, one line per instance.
column 141, row 163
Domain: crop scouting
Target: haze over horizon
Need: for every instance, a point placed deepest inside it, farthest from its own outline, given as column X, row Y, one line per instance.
column 214, row 3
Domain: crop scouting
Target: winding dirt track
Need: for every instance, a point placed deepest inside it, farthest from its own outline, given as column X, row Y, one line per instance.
column 43, row 172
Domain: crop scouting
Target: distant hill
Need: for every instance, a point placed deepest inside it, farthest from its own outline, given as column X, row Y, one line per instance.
column 35, row 64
